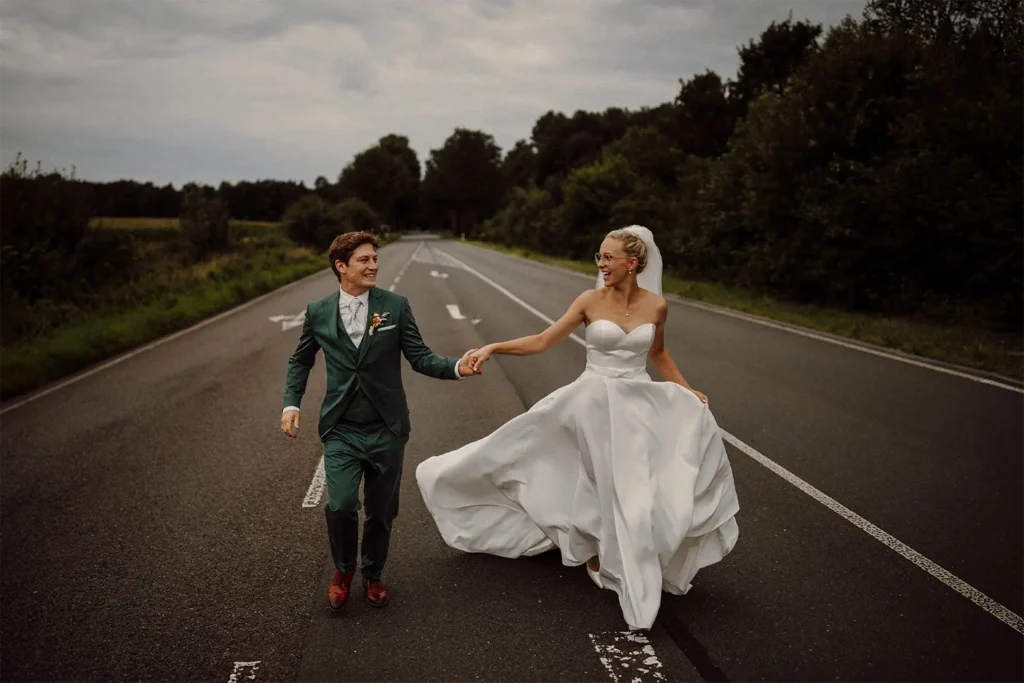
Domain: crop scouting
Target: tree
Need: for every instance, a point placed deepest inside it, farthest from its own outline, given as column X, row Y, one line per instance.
column 704, row 123
column 767, row 64
column 204, row 219
column 355, row 215
column 387, row 177
column 463, row 185
column 313, row 222
column 519, row 166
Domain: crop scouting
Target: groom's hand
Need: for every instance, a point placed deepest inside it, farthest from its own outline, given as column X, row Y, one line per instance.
column 290, row 423
column 466, row 364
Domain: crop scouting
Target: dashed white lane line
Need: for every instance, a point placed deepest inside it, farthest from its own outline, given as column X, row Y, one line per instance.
column 316, row 487
column 244, row 671
column 454, row 312
column 401, row 271
column 628, row 656
column 999, row 611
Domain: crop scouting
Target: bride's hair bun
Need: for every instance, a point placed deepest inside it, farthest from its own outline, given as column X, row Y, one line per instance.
column 634, row 246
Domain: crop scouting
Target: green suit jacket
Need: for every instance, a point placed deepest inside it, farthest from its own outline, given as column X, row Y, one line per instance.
column 375, row 367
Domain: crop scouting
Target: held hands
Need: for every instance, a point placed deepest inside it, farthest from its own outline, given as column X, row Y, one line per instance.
column 478, row 357
column 466, row 364
column 290, row 423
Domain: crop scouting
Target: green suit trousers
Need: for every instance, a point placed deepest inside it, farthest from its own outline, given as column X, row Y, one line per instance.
column 353, row 451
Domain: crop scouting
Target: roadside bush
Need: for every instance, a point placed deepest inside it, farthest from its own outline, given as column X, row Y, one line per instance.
column 204, row 219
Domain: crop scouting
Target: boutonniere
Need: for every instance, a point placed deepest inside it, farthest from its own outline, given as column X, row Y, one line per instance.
column 377, row 320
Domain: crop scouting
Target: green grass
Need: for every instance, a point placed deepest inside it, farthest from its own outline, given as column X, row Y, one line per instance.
column 100, row 335
column 171, row 294
column 998, row 352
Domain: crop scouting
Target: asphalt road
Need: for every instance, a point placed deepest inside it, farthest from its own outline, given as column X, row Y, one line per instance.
column 152, row 523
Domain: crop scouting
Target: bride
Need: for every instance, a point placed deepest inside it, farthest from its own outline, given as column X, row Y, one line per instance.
column 626, row 475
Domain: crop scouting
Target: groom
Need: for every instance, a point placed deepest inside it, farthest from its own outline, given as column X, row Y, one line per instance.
column 364, row 417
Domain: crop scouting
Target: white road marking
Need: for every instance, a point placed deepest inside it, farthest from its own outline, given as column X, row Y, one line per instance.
column 402, row 270
column 863, row 347
column 154, row 344
column 434, row 273
column 316, row 487
column 1007, row 616
column 289, row 321
column 454, row 312
column 628, row 656
column 239, row 673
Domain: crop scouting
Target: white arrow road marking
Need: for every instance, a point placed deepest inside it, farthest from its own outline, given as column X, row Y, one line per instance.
column 628, row 656
column 434, row 273
column 289, row 321
column 244, row 671
column 454, row 312
column 316, row 487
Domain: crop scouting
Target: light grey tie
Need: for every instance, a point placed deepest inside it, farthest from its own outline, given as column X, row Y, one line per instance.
column 355, row 331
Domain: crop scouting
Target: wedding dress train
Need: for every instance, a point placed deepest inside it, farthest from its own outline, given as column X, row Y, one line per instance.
column 613, row 465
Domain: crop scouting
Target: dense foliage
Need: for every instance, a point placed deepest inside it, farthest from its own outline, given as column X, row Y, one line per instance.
column 876, row 166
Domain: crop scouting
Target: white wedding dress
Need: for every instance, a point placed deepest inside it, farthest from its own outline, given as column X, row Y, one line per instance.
column 613, row 465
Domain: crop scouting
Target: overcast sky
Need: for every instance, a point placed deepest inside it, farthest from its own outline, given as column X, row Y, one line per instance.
column 211, row 90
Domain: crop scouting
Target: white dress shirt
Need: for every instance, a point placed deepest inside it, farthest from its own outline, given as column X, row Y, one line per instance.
column 353, row 316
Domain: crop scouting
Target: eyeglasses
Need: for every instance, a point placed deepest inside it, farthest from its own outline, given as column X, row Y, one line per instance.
column 599, row 258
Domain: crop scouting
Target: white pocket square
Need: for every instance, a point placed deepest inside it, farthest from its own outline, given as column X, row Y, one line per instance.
column 384, row 329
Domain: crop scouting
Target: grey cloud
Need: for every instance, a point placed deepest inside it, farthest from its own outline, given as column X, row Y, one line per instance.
column 165, row 90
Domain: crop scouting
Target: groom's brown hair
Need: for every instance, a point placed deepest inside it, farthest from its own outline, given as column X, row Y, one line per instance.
column 344, row 246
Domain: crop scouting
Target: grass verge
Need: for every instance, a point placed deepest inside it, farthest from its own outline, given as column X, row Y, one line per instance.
column 997, row 352
column 73, row 347
column 173, row 302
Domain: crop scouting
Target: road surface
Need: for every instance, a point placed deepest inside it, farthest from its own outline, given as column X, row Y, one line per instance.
column 156, row 525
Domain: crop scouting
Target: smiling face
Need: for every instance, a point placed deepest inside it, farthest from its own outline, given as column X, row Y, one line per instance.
column 360, row 273
column 614, row 263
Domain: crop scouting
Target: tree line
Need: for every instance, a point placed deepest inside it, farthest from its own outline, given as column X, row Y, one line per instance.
column 876, row 166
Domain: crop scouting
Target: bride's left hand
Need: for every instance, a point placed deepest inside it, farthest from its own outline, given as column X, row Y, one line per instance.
column 700, row 395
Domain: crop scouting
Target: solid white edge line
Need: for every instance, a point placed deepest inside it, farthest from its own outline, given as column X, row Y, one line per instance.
column 1008, row 617
column 316, row 487
column 794, row 329
column 156, row 343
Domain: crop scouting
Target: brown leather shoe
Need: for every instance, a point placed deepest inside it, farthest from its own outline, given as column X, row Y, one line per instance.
column 339, row 590
column 376, row 593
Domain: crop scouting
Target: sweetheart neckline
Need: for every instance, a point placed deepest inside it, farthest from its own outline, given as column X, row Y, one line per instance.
column 612, row 322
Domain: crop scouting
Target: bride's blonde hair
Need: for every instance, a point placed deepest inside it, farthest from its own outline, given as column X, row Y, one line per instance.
column 634, row 246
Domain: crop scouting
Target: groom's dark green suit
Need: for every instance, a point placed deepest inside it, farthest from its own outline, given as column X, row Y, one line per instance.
column 364, row 417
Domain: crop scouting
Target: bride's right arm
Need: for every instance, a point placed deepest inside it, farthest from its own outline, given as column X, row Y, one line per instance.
column 538, row 343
